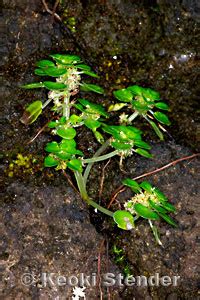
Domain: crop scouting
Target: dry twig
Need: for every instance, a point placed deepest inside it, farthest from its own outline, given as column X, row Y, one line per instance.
column 52, row 12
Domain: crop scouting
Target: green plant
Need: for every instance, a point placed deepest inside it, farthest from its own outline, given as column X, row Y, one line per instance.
column 71, row 112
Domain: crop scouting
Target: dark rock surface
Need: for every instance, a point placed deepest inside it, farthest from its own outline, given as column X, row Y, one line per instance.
column 45, row 226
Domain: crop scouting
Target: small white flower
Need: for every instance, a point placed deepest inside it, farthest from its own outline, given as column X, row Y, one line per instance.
column 78, row 292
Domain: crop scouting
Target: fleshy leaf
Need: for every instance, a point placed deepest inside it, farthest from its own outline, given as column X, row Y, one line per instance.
column 121, row 146
column 68, row 133
column 168, row 206
column 32, row 112
column 162, row 118
column 54, row 85
column 92, row 124
column 146, row 186
column 143, row 152
column 66, row 59
column 135, row 89
column 157, row 130
column 55, row 72
column 91, row 87
column 75, row 165
column 123, row 95
column 142, row 144
column 157, row 207
column 162, row 105
column 116, row 107
column 93, row 107
column 52, row 124
column 34, row 85
column 90, row 73
column 124, row 219
column 145, row 212
column 168, row 219
column 45, row 63
column 63, row 155
column 40, row 72
column 49, row 161
column 160, row 195
column 83, row 67
column 99, row 136
column 74, row 119
column 132, row 184
column 52, row 147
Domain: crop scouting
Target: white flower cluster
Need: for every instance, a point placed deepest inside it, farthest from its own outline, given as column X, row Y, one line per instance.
column 141, row 198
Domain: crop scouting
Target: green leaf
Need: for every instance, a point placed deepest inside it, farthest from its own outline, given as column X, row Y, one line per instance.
column 150, row 94
column 123, row 133
column 93, row 107
column 124, row 219
column 123, row 95
column 66, row 59
column 168, row 206
column 67, row 145
column 116, row 107
column 32, row 112
column 143, row 152
column 55, row 72
column 45, row 63
column 157, row 130
column 168, row 219
column 83, row 67
column 161, row 197
column 90, row 73
column 132, row 184
column 135, row 89
column 91, row 87
column 74, row 119
column 79, row 107
column 99, row 137
column 34, row 85
column 162, row 118
column 40, row 72
column 146, row 186
column 142, row 144
column 52, row 147
column 162, row 105
column 145, row 212
column 121, row 146
column 68, row 133
column 49, row 161
column 52, row 124
column 92, row 124
column 75, row 165
column 147, row 93
column 62, row 120
column 157, row 207
column 63, row 155
column 140, row 106
column 54, row 85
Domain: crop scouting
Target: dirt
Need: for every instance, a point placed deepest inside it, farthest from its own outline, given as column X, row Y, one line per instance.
column 45, row 225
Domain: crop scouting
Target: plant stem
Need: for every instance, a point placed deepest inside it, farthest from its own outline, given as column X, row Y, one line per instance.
column 66, row 107
column 155, row 232
column 46, row 103
column 97, row 154
column 100, row 208
column 133, row 116
column 81, row 185
column 100, row 158
column 84, row 195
